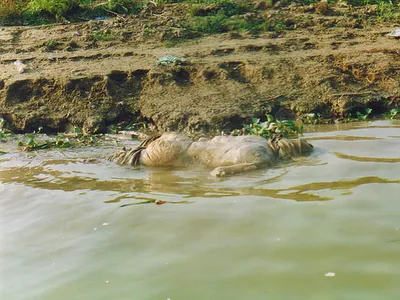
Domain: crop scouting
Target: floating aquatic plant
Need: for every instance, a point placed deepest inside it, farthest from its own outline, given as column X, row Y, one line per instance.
column 364, row 116
column 270, row 128
column 61, row 141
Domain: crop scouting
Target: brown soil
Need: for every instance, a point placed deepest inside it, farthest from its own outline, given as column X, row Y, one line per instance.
column 333, row 63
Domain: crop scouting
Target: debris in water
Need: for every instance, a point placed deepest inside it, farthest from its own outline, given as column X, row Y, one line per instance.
column 21, row 67
column 330, row 274
column 170, row 60
column 94, row 229
column 106, row 224
column 101, row 18
column 395, row 33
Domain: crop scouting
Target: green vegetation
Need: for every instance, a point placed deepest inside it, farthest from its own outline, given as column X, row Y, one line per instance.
column 229, row 15
column 50, row 45
column 3, row 132
column 105, row 35
column 31, row 144
column 271, row 128
column 205, row 16
column 387, row 12
column 60, row 141
column 311, row 119
column 364, row 116
column 54, row 7
column 125, row 6
column 115, row 128
column 288, row 128
column 38, row 12
column 392, row 114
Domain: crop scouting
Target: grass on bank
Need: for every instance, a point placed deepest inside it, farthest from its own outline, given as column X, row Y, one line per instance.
column 207, row 16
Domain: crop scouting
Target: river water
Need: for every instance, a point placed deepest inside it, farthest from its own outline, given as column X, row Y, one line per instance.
column 323, row 227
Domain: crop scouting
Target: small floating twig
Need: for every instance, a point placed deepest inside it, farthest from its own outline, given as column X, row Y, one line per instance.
column 157, row 202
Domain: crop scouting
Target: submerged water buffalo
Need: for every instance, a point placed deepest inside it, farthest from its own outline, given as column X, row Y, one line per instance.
column 226, row 154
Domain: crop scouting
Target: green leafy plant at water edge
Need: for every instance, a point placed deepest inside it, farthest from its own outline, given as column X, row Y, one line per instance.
column 363, row 117
column 127, row 126
column 32, row 145
column 311, row 118
column 84, row 139
column 392, row 114
column 270, row 128
column 3, row 132
column 106, row 35
column 61, row 141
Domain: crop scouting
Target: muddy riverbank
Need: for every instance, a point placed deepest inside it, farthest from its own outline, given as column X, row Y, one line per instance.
column 98, row 73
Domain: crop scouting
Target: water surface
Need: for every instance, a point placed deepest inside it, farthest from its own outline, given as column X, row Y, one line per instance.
column 268, row 234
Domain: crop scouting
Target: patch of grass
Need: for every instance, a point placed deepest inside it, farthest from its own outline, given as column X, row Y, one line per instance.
column 11, row 12
column 50, row 45
column 172, row 42
column 57, row 8
column 368, row 2
column 105, row 35
column 224, row 7
column 209, row 24
column 35, row 18
column 215, row 12
column 220, row 23
column 125, row 6
column 387, row 12
column 148, row 31
column 253, row 26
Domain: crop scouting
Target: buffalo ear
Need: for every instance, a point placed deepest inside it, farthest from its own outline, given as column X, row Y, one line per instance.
column 305, row 146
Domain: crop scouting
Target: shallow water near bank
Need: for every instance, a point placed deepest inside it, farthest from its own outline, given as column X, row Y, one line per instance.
column 267, row 234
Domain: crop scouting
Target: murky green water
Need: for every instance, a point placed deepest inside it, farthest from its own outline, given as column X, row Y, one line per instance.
column 269, row 234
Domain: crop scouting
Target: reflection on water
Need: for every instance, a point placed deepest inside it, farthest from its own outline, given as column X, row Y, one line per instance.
column 165, row 181
column 370, row 159
column 68, row 229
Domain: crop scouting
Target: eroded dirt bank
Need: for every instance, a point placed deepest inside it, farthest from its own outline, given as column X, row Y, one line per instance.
column 331, row 64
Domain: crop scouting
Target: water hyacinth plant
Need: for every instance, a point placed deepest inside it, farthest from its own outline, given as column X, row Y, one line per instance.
column 78, row 138
column 363, row 117
column 270, row 128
